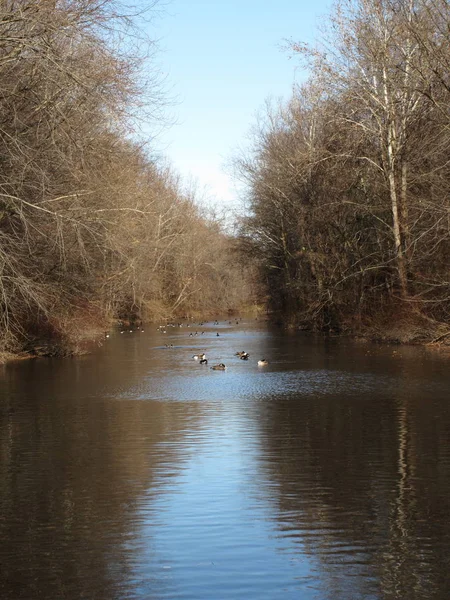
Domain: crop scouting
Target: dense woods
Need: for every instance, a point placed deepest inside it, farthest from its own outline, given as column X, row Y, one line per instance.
column 92, row 228
column 348, row 220
column 349, row 180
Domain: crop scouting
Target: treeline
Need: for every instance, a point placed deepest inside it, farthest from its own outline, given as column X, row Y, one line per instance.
column 349, row 181
column 91, row 227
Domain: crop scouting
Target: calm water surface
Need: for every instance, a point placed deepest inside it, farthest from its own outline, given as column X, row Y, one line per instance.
column 136, row 473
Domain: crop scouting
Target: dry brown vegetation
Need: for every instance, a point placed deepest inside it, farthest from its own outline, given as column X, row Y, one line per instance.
column 349, row 181
column 91, row 228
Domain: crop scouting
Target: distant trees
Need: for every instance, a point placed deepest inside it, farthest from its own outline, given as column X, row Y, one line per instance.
column 349, row 192
column 90, row 226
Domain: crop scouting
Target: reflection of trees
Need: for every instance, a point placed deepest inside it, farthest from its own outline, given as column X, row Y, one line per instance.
column 362, row 484
column 75, row 469
column 415, row 561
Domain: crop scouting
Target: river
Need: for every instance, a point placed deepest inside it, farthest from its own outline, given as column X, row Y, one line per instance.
column 134, row 472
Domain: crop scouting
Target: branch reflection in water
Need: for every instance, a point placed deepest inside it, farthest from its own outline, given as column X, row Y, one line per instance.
column 137, row 472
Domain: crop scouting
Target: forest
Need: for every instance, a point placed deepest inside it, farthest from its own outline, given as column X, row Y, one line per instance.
column 93, row 227
column 347, row 202
column 348, row 181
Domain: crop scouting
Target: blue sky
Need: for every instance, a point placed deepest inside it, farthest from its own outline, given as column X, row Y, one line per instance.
column 221, row 61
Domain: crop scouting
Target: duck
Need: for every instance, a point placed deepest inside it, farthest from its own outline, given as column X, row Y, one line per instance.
column 219, row 367
column 199, row 356
column 263, row 362
column 244, row 356
column 243, row 353
column 204, row 361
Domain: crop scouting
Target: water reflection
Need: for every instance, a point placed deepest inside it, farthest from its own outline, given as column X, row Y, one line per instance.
column 74, row 470
column 137, row 473
column 361, row 488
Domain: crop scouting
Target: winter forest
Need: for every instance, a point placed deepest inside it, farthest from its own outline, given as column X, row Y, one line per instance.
column 346, row 225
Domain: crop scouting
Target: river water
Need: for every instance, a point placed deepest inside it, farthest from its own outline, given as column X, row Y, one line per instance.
column 137, row 473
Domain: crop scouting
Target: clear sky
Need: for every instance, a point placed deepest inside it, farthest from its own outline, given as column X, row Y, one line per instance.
column 222, row 60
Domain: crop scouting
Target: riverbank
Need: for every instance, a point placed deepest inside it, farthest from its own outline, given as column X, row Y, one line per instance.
column 400, row 327
column 78, row 337
column 405, row 329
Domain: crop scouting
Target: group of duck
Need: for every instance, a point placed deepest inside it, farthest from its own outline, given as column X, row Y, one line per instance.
column 201, row 358
column 221, row 367
column 245, row 356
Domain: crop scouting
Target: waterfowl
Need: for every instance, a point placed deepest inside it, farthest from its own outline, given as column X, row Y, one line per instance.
column 201, row 356
column 244, row 356
column 204, row 361
column 241, row 354
column 263, row 362
column 219, row 367
column 217, row 334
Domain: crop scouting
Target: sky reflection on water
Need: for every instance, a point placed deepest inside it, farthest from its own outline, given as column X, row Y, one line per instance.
column 137, row 473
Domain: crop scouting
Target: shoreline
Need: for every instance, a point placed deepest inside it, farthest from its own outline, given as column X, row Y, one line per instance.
column 398, row 336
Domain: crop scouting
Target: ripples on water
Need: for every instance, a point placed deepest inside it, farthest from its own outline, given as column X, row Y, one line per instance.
column 135, row 472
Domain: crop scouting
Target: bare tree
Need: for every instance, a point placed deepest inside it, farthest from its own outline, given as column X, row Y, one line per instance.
column 348, row 182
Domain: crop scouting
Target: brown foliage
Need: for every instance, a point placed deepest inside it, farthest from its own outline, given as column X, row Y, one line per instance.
column 349, row 182
column 90, row 226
